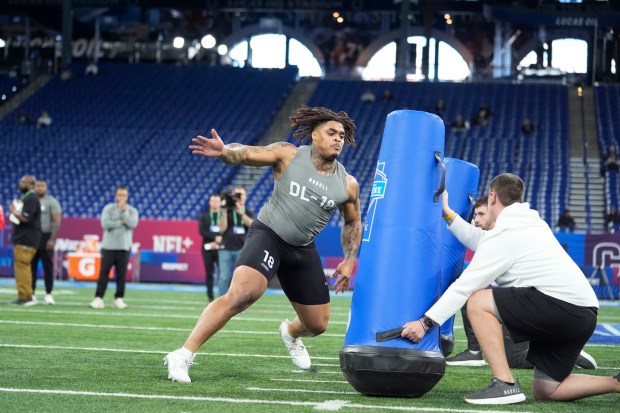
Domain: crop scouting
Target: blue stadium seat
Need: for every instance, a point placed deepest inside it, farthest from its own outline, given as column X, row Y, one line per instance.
column 131, row 125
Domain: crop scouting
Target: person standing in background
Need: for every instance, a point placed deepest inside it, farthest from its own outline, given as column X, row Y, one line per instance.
column 612, row 219
column 44, row 120
column 234, row 224
column 50, row 225
column 209, row 227
column 26, row 219
column 118, row 220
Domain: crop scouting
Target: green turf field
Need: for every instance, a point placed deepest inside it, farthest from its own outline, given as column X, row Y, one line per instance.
column 70, row 358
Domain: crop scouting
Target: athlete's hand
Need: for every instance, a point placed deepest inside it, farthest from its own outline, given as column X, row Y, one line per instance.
column 413, row 331
column 343, row 272
column 445, row 208
column 209, row 147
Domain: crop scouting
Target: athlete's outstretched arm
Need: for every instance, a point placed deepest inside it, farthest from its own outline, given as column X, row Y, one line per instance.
column 238, row 154
column 350, row 236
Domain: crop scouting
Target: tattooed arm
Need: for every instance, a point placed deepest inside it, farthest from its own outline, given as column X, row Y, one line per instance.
column 350, row 236
column 277, row 154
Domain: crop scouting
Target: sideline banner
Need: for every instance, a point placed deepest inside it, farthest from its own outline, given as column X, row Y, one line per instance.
column 150, row 234
column 179, row 242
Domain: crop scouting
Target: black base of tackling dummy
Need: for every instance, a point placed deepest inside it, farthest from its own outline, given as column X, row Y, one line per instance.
column 393, row 372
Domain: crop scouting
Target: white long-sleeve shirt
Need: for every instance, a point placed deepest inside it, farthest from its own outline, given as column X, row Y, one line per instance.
column 520, row 251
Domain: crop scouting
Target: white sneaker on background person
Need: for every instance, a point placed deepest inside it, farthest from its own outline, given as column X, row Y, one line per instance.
column 295, row 347
column 119, row 303
column 49, row 299
column 34, row 300
column 178, row 363
column 97, row 303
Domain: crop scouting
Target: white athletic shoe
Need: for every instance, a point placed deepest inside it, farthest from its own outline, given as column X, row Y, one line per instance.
column 295, row 347
column 97, row 303
column 49, row 299
column 178, row 366
column 119, row 303
column 586, row 361
column 34, row 300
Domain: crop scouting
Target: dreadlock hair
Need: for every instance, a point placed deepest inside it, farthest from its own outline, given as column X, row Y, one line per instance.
column 305, row 119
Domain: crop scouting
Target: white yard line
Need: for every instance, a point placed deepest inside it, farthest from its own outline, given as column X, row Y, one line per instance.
column 312, row 381
column 150, row 328
column 316, row 372
column 331, row 405
column 194, row 310
column 149, row 315
column 302, row 391
column 117, row 350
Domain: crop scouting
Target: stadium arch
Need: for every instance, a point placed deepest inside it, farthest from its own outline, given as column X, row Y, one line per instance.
column 247, row 32
column 551, row 35
column 369, row 51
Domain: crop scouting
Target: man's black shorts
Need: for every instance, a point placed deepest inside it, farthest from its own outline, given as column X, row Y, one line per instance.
column 299, row 269
column 556, row 330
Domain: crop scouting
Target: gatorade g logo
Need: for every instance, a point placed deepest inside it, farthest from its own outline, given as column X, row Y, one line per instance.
column 86, row 267
column 378, row 192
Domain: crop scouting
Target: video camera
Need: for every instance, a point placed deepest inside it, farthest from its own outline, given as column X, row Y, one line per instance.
column 231, row 198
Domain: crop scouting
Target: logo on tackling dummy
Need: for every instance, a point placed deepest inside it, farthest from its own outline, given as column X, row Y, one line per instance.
column 377, row 193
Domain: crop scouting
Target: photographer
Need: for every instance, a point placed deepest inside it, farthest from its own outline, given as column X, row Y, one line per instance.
column 234, row 223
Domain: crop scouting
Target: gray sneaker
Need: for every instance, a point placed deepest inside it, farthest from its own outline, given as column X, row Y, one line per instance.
column 585, row 361
column 498, row 392
column 466, row 358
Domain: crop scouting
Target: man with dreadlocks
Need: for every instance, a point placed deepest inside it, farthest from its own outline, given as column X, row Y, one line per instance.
column 309, row 184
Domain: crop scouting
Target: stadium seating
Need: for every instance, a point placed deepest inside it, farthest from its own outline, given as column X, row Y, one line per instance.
column 607, row 100
column 541, row 159
column 9, row 85
column 131, row 125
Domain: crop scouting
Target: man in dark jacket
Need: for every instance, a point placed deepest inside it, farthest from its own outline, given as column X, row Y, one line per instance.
column 209, row 227
column 26, row 218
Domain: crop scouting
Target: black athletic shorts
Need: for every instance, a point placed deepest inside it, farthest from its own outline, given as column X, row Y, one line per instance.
column 299, row 269
column 556, row 330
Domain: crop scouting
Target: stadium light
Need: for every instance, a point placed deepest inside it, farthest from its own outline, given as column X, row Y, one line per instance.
column 178, row 42
column 208, row 41
column 222, row 49
column 340, row 20
column 335, row 14
column 2, row 43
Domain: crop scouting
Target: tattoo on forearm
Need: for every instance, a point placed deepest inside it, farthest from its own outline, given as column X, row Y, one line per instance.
column 350, row 237
column 234, row 154
column 276, row 145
